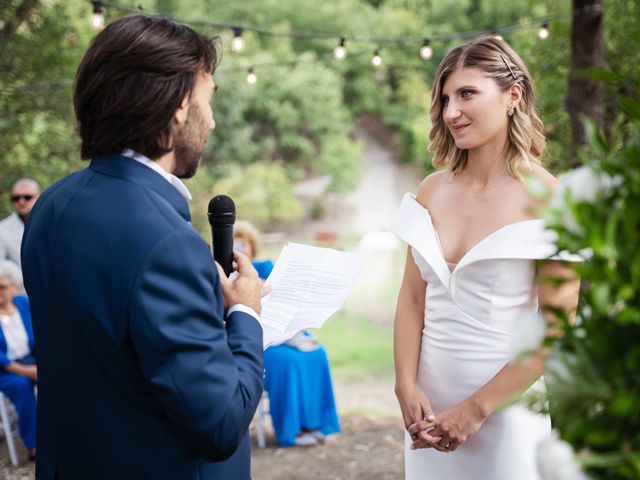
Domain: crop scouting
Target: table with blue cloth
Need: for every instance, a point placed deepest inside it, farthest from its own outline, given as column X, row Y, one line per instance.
column 299, row 387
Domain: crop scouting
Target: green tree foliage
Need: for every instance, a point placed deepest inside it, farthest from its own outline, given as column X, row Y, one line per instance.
column 261, row 191
column 299, row 115
column 293, row 115
column 594, row 373
column 41, row 44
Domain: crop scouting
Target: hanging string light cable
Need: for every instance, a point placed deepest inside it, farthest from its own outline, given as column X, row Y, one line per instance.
column 381, row 41
column 425, row 51
column 302, row 59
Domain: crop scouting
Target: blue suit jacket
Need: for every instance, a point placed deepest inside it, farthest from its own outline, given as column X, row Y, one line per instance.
column 138, row 376
column 22, row 305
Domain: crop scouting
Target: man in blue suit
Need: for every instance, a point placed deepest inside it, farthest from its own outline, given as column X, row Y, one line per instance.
column 140, row 375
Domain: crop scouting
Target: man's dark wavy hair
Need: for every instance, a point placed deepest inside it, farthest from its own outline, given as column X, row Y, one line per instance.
column 131, row 81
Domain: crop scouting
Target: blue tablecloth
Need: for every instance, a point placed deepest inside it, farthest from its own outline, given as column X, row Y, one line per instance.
column 300, row 392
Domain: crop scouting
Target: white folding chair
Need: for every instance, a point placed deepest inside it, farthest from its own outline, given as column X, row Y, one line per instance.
column 7, row 415
column 261, row 416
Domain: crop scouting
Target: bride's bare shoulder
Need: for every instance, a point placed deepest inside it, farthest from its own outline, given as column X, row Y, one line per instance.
column 534, row 198
column 430, row 184
column 543, row 175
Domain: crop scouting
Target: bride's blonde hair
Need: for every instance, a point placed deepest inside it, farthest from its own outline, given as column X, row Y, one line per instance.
column 499, row 61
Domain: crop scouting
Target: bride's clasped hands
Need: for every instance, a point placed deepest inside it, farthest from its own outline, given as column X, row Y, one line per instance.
column 416, row 411
column 449, row 429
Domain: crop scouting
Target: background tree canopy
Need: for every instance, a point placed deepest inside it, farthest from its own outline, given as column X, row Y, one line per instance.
column 300, row 114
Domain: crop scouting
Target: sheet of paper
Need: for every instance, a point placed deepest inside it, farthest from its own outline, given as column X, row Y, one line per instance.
column 309, row 284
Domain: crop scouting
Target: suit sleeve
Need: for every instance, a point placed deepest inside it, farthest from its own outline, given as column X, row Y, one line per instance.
column 208, row 377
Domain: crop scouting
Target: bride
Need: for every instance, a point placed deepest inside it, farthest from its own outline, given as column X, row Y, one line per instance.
column 471, row 276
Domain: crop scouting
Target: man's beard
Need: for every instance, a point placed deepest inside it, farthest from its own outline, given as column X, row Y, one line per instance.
column 189, row 143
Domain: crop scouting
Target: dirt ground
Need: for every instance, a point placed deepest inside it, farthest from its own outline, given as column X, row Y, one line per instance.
column 368, row 447
column 26, row 470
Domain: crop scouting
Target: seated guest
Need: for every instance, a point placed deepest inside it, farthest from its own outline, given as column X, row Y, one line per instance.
column 18, row 371
column 297, row 376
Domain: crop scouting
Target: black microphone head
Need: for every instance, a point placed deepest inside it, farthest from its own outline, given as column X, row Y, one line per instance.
column 222, row 211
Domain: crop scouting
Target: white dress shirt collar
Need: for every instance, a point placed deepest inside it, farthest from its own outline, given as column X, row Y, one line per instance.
column 169, row 177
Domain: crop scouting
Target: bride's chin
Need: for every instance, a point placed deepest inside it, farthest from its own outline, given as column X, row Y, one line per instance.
column 464, row 145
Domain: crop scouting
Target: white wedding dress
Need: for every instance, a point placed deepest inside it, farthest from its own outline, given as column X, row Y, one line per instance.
column 470, row 316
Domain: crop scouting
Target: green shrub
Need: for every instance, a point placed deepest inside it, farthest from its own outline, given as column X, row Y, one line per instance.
column 593, row 374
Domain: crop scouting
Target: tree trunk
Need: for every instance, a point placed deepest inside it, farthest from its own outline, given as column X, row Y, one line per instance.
column 585, row 96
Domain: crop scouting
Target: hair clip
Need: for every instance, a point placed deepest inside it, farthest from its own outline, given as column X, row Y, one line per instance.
column 504, row 59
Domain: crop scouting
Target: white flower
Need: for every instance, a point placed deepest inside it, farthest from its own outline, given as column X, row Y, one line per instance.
column 582, row 185
column 528, row 335
column 557, row 461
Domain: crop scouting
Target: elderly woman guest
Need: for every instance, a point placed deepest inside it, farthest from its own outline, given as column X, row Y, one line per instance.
column 19, row 372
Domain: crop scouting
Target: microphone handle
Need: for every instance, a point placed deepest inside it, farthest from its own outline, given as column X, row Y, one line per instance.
column 222, row 236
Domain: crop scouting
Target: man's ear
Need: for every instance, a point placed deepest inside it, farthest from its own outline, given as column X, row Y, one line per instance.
column 180, row 116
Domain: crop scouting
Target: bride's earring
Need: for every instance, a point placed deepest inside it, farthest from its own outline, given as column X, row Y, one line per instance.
column 511, row 111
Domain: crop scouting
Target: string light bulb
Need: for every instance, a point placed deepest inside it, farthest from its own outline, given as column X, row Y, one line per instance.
column 251, row 77
column 237, row 43
column 426, row 52
column 340, row 51
column 377, row 59
column 97, row 19
column 543, row 33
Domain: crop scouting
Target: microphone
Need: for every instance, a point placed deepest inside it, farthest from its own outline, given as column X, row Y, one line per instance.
column 222, row 216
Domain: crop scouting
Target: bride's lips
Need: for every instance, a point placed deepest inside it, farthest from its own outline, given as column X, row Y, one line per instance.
column 459, row 128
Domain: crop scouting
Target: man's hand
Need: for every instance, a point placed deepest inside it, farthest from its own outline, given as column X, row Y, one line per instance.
column 245, row 288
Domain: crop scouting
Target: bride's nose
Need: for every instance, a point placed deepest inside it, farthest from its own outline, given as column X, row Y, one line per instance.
column 451, row 112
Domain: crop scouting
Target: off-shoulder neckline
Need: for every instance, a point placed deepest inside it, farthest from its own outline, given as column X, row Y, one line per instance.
column 479, row 243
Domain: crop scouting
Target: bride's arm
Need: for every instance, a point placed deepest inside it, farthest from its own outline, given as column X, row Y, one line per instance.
column 456, row 424
column 407, row 333
column 407, row 339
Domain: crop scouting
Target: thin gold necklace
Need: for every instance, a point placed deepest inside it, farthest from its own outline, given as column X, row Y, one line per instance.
column 476, row 194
